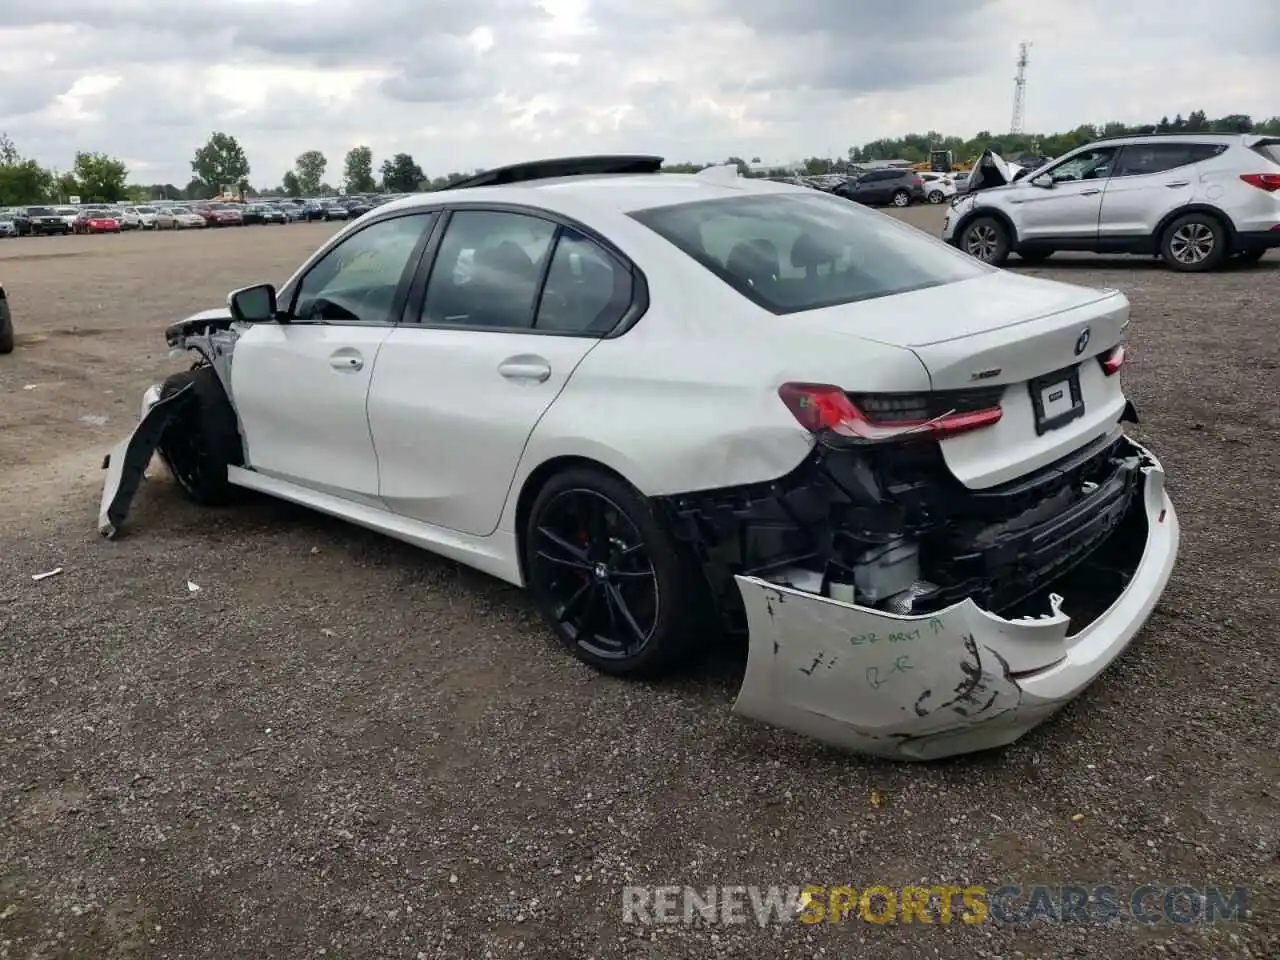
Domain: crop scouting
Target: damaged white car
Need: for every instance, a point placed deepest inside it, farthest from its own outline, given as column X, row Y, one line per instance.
column 664, row 403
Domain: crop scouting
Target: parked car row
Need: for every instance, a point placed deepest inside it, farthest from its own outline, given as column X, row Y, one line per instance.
column 178, row 215
column 891, row 186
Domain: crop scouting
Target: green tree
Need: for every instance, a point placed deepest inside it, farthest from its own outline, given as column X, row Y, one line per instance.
column 401, row 174
column 24, row 182
column 358, row 170
column 65, row 185
column 310, row 167
column 101, row 178
column 292, row 187
column 221, row 162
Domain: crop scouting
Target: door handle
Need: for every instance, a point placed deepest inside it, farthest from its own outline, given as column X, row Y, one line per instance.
column 1178, row 183
column 346, row 361
column 1089, row 193
column 525, row 368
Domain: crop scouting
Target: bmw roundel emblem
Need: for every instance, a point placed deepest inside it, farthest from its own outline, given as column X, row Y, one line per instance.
column 1082, row 341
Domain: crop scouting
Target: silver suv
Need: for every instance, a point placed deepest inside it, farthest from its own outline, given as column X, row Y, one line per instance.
column 1191, row 199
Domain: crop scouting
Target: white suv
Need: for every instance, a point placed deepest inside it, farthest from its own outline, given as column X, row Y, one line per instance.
column 938, row 186
column 1191, row 199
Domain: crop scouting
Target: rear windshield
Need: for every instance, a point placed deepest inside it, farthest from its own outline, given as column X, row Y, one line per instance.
column 802, row 251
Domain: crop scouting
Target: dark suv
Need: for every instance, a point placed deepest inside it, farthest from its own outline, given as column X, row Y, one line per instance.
column 41, row 222
column 901, row 188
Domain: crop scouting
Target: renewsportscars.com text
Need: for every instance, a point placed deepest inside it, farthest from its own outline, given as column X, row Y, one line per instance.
column 937, row 904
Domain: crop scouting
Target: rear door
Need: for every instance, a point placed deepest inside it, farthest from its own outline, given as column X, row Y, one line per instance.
column 511, row 305
column 1149, row 181
column 870, row 188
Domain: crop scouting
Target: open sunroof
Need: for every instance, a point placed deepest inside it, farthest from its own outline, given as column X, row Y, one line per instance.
column 561, row 167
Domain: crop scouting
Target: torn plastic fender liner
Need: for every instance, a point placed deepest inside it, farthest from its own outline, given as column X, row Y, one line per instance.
column 126, row 464
column 951, row 682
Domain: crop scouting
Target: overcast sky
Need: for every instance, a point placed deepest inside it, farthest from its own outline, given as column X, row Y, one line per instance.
column 472, row 83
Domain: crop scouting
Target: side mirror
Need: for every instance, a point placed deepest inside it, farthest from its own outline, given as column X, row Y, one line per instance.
column 256, row 304
column 1044, row 182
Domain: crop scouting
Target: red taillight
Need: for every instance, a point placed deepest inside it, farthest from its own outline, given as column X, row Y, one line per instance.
column 1112, row 360
column 917, row 181
column 820, row 408
column 1269, row 182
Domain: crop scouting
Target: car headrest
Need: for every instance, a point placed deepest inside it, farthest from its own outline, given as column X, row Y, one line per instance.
column 507, row 258
column 748, row 262
column 808, row 251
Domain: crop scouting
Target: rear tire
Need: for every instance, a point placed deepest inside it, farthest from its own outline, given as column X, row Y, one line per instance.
column 202, row 440
column 986, row 239
column 901, row 198
column 1194, row 243
column 6, row 335
column 605, row 571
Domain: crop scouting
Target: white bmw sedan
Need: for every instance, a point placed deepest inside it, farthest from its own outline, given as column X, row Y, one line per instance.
column 674, row 404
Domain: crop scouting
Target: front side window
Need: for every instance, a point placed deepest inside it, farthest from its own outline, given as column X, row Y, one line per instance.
column 487, row 270
column 1092, row 164
column 793, row 252
column 356, row 281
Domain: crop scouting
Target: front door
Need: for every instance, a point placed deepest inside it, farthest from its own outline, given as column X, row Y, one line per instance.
column 1069, row 208
column 456, row 396
column 301, row 386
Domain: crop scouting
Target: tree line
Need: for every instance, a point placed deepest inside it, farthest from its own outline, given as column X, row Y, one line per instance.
column 221, row 163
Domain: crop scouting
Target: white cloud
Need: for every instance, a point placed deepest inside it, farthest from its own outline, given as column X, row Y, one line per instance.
column 467, row 83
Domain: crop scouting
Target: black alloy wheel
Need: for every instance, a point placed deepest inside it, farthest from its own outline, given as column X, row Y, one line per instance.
column 618, row 590
column 591, row 561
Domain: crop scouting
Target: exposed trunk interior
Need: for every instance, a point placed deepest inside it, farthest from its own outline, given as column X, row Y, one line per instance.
column 889, row 527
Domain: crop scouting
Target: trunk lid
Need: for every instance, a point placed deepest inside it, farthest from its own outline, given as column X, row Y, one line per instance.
column 1033, row 344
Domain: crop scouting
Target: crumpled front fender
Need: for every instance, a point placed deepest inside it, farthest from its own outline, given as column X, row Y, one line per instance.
column 952, row 682
column 127, row 463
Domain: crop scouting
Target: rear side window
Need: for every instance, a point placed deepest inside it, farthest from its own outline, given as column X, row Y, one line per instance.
column 586, row 290
column 1269, row 149
column 487, row 270
column 803, row 251
column 1144, row 158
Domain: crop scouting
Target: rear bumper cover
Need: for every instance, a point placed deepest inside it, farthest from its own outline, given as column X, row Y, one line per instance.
column 1258, row 239
column 952, row 682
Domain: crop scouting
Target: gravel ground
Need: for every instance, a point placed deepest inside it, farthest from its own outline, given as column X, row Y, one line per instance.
column 337, row 746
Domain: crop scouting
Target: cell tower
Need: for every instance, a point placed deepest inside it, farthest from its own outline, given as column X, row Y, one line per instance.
column 1020, row 89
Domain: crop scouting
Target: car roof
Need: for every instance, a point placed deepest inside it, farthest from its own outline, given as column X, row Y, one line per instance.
column 1227, row 138
column 597, row 186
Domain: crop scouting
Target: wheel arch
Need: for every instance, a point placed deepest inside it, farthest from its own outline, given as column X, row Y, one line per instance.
column 1157, row 238
column 994, row 213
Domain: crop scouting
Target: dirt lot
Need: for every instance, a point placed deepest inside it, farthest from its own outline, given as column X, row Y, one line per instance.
column 342, row 747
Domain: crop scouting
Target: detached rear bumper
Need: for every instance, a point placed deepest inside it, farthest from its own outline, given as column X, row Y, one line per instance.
column 952, row 682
